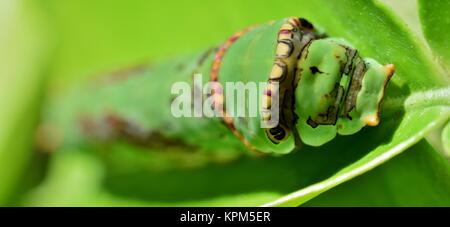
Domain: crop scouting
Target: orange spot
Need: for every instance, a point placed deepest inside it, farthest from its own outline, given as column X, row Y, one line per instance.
column 389, row 69
column 372, row 120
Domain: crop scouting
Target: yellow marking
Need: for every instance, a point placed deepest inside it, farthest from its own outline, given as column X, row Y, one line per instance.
column 266, row 115
column 277, row 72
column 372, row 120
column 267, row 102
column 284, row 36
column 286, row 62
column 283, row 50
column 389, row 70
column 293, row 20
column 287, row 26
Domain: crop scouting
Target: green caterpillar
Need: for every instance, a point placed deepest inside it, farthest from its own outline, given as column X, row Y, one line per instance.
column 325, row 89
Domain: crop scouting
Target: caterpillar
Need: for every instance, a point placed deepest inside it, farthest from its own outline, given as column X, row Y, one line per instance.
column 325, row 88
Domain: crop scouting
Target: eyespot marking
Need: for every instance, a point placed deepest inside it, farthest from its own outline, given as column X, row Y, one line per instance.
column 314, row 70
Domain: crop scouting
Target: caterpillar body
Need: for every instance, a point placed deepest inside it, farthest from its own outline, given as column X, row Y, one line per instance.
column 325, row 88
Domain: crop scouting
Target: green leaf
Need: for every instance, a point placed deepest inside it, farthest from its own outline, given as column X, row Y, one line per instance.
column 446, row 139
column 409, row 132
column 434, row 16
column 379, row 33
column 403, row 181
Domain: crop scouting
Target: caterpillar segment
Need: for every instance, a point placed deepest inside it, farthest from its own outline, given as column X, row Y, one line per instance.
column 245, row 57
column 293, row 36
column 217, row 93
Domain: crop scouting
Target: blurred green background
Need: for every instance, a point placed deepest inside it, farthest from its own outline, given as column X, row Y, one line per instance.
column 47, row 46
column 90, row 37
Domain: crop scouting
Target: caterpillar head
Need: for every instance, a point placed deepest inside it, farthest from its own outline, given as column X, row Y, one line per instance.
column 338, row 92
column 326, row 88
